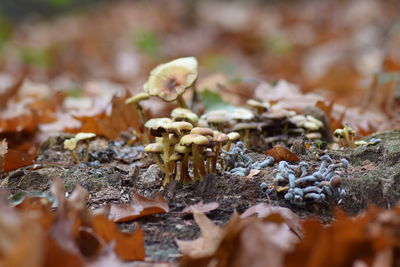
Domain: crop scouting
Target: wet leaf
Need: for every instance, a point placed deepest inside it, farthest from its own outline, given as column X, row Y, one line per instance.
column 138, row 207
column 201, row 207
column 280, row 153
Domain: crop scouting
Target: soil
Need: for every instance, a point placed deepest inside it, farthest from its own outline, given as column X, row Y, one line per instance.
column 115, row 169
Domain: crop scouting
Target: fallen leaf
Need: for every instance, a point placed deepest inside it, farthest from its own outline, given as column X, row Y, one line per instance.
column 138, row 207
column 200, row 207
column 15, row 159
column 280, row 153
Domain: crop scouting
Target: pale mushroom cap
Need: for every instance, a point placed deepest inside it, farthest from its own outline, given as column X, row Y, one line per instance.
column 298, row 120
column 70, row 144
column 194, row 139
column 202, row 131
column 338, row 132
column 244, row 126
column 312, row 126
column 154, row 148
column 158, row 126
column 84, row 136
column 233, row 136
column 179, row 114
column 220, row 137
column 242, row 114
column 315, row 120
column 169, row 80
column 137, row 98
column 314, row 136
column 220, row 117
column 183, row 126
column 258, row 104
column 181, row 149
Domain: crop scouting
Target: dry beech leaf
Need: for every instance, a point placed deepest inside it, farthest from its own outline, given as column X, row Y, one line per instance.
column 127, row 246
column 253, row 173
column 240, row 242
column 138, row 207
column 201, row 207
column 280, row 153
column 15, row 159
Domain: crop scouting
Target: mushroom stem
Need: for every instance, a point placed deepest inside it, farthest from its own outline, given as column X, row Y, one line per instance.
column 246, row 138
column 74, row 156
column 215, row 159
column 202, row 168
column 196, row 160
column 181, row 101
column 158, row 161
column 185, row 177
column 142, row 116
column 228, row 146
column 167, row 164
column 86, row 151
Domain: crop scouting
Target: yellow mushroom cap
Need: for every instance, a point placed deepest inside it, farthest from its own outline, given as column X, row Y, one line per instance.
column 84, row 136
column 181, row 149
column 154, row 148
column 183, row 126
column 202, row 131
column 220, row 137
column 184, row 114
column 196, row 139
column 338, row 133
column 233, row 136
column 169, row 80
column 137, row 98
column 158, row 126
column 315, row 121
column 70, row 144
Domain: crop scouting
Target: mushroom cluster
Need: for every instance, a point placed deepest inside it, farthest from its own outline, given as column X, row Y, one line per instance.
column 300, row 187
column 180, row 144
column 345, row 136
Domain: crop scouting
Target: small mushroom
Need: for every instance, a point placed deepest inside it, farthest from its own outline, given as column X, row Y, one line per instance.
column 217, row 119
column 70, row 145
column 233, row 136
column 85, row 138
column 184, row 172
column 261, row 107
column 218, row 139
column 170, row 80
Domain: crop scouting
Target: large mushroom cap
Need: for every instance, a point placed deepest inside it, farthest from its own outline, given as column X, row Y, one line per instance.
column 137, row 98
column 202, row 131
column 242, row 114
column 196, row 139
column 220, row 137
column 245, row 125
column 233, row 136
column 184, row 114
column 84, row 136
column 154, row 148
column 183, row 126
column 171, row 79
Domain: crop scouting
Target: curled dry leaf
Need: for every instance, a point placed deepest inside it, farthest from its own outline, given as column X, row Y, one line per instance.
column 253, row 173
column 138, row 207
column 201, row 207
column 241, row 242
column 280, row 153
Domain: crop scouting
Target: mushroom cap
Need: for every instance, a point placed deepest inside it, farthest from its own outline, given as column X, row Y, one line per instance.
column 154, row 148
column 202, row 131
column 159, row 125
column 169, row 80
column 217, row 117
column 183, row 126
column 314, row 135
column 137, row 98
column 298, row 120
column 196, row 139
column 319, row 123
column 70, row 144
column 181, row 149
column 258, row 104
column 244, row 125
column 233, row 136
column 184, row 114
column 241, row 114
column 84, row 136
column 311, row 126
column 338, row 133
column 220, row 137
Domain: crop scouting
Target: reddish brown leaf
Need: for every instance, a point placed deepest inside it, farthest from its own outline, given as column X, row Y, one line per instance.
column 280, row 153
column 3, row 151
column 15, row 159
column 127, row 246
column 200, row 207
column 138, row 207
